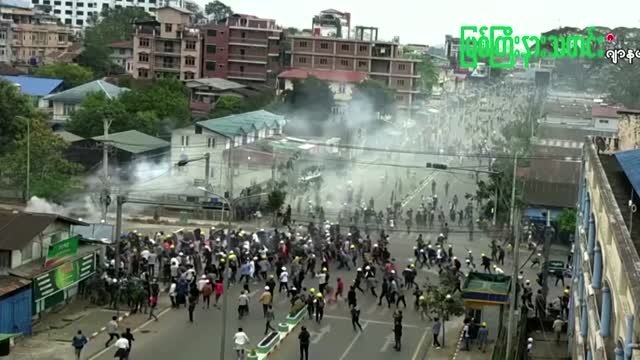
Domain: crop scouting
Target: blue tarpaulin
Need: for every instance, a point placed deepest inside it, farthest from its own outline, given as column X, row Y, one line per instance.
column 630, row 164
column 539, row 214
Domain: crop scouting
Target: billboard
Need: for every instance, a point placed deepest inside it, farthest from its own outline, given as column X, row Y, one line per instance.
column 61, row 251
column 63, row 276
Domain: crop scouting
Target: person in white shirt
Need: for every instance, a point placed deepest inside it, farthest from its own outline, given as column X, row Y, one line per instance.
column 241, row 340
column 122, row 346
column 202, row 282
column 284, row 280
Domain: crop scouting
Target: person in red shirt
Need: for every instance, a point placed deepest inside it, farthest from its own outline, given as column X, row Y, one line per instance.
column 339, row 290
column 218, row 289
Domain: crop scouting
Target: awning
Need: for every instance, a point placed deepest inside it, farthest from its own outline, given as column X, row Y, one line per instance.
column 630, row 164
column 540, row 214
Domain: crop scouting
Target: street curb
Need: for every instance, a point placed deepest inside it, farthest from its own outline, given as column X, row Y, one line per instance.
column 455, row 354
column 104, row 328
column 283, row 335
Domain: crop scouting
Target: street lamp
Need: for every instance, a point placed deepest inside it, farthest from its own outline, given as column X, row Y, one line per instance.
column 447, row 300
column 207, row 158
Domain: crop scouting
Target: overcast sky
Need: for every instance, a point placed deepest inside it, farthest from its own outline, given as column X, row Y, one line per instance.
column 428, row 21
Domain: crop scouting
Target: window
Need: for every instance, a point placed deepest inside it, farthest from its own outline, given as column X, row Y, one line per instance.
column 80, row 4
column 168, row 27
column 190, row 61
column 323, row 62
column 324, row 45
column 211, row 49
column 105, row 6
column 362, row 64
column 344, row 47
column 57, row 3
column 211, row 142
column 210, row 65
column 243, row 35
column 212, row 172
column 342, row 88
column 143, row 73
column 67, row 109
column 402, row 66
column 302, row 60
column 5, row 258
column 190, row 45
column 56, row 11
column 188, row 75
column 68, row 3
column 362, row 48
column 79, row 13
column 143, row 58
column 67, row 21
column 79, row 22
column 35, row 2
column 602, row 121
column 185, row 140
column 68, row 12
column 400, row 82
column 211, row 32
column 344, row 62
column 144, row 43
column 121, row 51
column 90, row 5
column 303, row 44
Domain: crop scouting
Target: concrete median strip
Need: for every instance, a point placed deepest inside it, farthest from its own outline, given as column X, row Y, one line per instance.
column 272, row 342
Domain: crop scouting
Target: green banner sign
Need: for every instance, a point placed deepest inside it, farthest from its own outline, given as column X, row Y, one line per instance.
column 63, row 276
column 61, row 251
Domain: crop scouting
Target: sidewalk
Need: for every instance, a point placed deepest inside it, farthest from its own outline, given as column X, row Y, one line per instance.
column 52, row 335
column 451, row 349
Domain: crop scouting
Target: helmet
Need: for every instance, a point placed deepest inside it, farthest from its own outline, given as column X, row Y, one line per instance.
column 450, row 245
column 359, row 269
column 411, row 266
column 482, row 255
column 319, row 295
column 324, row 269
column 284, row 268
column 266, row 288
column 530, row 340
column 352, row 246
column 393, row 271
column 468, row 261
column 421, row 298
column 375, row 245
column 312, row 290
column 367, row 267
column 415, row 248
column 421, row 250
column 470, row 251
column 455, row 258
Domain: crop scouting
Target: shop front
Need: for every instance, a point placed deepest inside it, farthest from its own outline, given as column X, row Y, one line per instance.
column 62, row 282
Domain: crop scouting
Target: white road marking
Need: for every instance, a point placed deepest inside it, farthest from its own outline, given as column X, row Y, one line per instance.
column 376, row 322
column 422, row 339
column 388, row 341
column 318, row 335
column 103, row 351
column 355, row 338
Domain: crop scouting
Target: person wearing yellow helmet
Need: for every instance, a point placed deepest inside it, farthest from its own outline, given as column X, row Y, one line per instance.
column 319, row 307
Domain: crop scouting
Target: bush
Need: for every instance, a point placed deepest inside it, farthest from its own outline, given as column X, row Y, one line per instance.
column 296, row 308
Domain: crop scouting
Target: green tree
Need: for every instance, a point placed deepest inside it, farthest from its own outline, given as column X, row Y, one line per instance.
column 230, row 105
column 428, row 72
column 567, row 221
column 377, row 93
column 72, row 74
column 153, row 110
column 275, row 200
column 113, row 24
column 218, row 9
column 196, row 10
column 50, row 174
column 12, row 105
column 311, row 99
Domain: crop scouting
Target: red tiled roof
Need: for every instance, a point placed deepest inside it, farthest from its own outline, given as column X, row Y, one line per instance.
column 605, row 111
column 326, row 75
column 127, row 44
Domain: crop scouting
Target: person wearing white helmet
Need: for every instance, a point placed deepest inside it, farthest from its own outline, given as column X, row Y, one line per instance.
column 284, row 280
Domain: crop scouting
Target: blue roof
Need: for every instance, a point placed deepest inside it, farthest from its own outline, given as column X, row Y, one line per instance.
column 630, row 164
column 34, row 86
column 238, row 124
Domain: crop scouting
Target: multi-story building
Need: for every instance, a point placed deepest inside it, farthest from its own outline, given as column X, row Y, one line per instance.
column 6, row 34
column 242, row 48
column 78, row 12
column 381, row 60
column 168, row 47
column 332, row 23
column 122, row 54
column 605, row 293
column 37, row 37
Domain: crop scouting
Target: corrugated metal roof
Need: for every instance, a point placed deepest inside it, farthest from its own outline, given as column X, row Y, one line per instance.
column 218, row 83
column 630, row 164
column 17, row 229
column 236, row 125
column 77, row 94
column 68, row 137
column 9, row 284
column 34, row 86
column 326, row 75
column 134, row 141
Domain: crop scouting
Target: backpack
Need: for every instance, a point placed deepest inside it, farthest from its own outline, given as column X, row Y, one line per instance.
column 207, row 289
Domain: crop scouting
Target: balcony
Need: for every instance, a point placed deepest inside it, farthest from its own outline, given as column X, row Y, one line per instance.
column 240, row 41
column 167, row 52
column 248, row 59
column 167, row 66
column 243, row 75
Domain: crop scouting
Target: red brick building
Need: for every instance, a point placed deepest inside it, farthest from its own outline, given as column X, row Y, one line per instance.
column 381, row 60
column 242, row 48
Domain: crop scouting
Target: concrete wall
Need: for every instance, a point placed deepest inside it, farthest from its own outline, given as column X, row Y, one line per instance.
column 39, row 245
column 620, row 271
column 629, row 131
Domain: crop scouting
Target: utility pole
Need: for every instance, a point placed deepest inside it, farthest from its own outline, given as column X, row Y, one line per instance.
column 513, row 298
column 495, row 206
column 207, row 170
column 546, row 251
column 105, row 199
column 28, row 187
column 513, row 192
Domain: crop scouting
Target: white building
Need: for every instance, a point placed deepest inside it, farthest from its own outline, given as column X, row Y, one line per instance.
column 212, row 137
column 78, row 12
column 340, row 82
